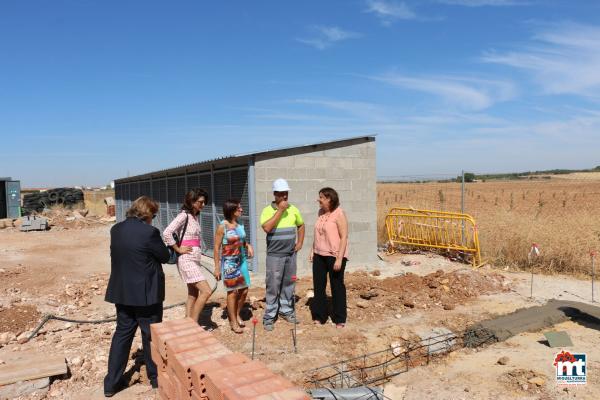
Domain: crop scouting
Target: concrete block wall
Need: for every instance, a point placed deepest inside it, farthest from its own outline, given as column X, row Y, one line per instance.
column 193, row 364
column 350, row 170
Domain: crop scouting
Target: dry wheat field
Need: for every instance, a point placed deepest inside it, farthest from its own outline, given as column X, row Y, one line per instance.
column 561, row 215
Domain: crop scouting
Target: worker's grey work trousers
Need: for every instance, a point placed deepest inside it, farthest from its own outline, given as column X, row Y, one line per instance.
column 280, row 287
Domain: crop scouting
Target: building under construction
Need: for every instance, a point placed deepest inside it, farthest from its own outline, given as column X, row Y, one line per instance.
column 347, row 165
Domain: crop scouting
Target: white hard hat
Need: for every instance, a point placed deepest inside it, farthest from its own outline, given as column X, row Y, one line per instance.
column 281, row 185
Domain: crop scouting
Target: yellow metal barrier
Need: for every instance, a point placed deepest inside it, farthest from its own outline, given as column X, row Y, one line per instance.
column 433, row 229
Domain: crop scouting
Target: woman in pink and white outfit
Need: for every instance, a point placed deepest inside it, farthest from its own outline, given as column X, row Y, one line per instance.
column 188, row 263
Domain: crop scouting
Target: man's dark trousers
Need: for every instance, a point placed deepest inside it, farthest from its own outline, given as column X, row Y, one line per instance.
column 128, row 320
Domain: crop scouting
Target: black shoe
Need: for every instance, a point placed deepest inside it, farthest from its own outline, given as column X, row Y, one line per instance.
column 154, row 383
column 120, row 386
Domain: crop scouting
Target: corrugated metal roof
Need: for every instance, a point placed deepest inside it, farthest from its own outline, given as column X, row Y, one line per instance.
column 242, row 159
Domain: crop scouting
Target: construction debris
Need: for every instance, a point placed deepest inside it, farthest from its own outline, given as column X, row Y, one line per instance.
column 558, row 339
column 529, row 319
column 37, row 202
column 524, row 380
column 33, row 223
column 31, row 366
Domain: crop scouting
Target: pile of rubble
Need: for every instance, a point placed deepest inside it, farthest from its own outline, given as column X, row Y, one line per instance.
column 524, row 380
column 60, row 219
column 435, row 290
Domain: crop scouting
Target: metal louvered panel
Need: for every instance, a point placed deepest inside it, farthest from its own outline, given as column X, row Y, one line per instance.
column 134, row 190
column 191, row 182
column 208, row 235
column 161, row 191
column 170, row 192
column 180, row 191
column 239, row 186
column 222, row 189
column 154, row 195
column 145, row 189
column 239, row 190
column 126, row 198
column 120, row 214
column 204, row 183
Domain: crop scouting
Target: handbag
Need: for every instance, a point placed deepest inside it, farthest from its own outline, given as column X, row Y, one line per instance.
column 173, row 255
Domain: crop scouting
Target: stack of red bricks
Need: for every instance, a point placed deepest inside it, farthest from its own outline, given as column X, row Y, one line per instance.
column 193, row 364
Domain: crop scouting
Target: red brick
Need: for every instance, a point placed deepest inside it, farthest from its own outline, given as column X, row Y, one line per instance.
column 252, row 390
column 288, row 394
column 180, row 390
column 161, row 343
column 162, row 395
column 181, row 363
column 199, row 370
column 165, row 384
column 187, row 343
column 219, row 381
column 162, row 327
column 157, row 358
column 196, row 396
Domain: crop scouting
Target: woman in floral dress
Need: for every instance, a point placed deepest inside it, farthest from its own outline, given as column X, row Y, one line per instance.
column 188, row 262
column 231, row 252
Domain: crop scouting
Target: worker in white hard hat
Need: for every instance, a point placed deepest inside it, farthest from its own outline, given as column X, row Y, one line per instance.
column 284, row 226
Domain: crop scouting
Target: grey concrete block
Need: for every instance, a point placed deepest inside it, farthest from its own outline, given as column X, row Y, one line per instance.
column 360, row 163
column 323, row 163
column 315, row 154
column 438, row 340
column 340, row 184
column 260, row 173
column 335, row 173
column 277, row 172
column 334, row 153
column 279, row 162
column 297, row 173
column 304, row 162
column 263, row 186
column 317, row 174
column 360, row 227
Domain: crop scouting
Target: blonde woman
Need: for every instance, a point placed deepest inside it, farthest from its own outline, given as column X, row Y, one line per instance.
column 136, row 287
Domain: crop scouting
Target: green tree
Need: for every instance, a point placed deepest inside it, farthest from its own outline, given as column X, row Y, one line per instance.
column 469, row 177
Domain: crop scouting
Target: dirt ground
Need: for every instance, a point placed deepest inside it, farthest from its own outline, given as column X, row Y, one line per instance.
column 64, row 272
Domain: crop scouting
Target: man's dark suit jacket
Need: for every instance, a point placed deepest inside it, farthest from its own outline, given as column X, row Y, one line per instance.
column 136, row 276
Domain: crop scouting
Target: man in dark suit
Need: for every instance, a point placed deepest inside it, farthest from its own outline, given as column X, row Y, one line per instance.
column 136, row 287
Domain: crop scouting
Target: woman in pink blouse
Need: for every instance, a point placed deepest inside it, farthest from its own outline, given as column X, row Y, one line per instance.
column 188, row 263
column 329, row 255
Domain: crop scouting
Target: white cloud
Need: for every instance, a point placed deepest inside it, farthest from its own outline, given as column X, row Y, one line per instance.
column 389, row 11
column 462, row 92
column 363, row 110
column 482, row 3
column 563, row 59
column 326, row 36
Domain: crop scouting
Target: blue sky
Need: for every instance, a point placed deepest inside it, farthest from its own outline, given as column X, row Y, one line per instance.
column 96, row 90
